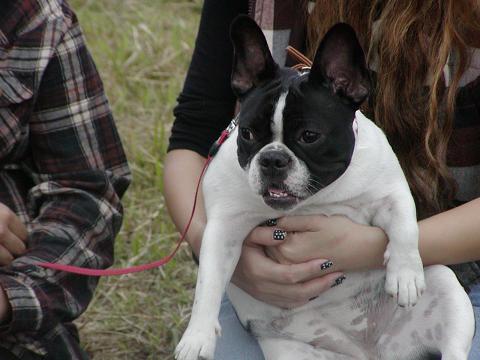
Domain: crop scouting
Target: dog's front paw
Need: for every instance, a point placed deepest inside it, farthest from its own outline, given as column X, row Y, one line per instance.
column 405, row 279
column 198, row 343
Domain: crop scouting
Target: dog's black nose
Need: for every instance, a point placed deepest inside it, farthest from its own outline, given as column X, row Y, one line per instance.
column 274, row 160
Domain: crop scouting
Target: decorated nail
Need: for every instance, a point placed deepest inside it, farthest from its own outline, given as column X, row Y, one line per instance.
column 326, row 265
column 339, row 280
column 279, row 234
column 271, row 222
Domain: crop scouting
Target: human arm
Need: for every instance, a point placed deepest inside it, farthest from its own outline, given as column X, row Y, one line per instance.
column 182, row 168
column 450, row 237
column 205, row 107
column 79, row 172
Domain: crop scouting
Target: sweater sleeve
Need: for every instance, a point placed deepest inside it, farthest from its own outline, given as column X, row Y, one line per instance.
column 206, row 103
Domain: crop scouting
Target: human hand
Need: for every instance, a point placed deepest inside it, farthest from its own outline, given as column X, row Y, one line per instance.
column 283, row 285
column 13, row 235
column 5, row 308
column 350, row 246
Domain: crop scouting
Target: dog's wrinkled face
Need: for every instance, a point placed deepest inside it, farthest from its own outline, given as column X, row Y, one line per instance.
column 295, row 131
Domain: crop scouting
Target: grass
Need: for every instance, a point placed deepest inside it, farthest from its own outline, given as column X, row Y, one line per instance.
column 142, row 49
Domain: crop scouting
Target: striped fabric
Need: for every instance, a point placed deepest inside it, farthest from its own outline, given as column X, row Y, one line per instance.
column 62, row 170
column 283, row 23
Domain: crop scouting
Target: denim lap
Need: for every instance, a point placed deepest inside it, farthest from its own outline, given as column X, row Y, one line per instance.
column 236, row 343
column 475, row 299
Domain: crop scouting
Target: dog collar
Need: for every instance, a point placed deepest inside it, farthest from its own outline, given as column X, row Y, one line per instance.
column 304, row 63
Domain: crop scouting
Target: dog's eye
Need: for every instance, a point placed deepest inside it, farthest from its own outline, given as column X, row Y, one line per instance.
column 246, row 134
column 309, row 137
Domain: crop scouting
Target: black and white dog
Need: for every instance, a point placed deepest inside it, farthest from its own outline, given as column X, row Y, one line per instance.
column 303, row 147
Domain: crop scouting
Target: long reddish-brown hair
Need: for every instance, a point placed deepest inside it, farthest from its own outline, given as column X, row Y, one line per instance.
column 410, row 42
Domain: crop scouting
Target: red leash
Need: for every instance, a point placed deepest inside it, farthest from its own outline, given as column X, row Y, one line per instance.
column 133, row 269
column 304, row 63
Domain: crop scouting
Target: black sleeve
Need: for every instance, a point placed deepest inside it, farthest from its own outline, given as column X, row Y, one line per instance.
column 206, row 103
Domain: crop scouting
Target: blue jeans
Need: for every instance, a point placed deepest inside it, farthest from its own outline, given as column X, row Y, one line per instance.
column 238, row 344
column 475, row 299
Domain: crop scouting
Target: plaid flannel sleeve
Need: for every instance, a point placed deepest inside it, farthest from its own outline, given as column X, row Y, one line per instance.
column 80, row 173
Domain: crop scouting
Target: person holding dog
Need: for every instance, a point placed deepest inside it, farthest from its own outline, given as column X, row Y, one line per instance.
column 63, row 173
column 424, row 59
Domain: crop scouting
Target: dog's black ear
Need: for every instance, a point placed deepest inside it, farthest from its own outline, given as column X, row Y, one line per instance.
column 252, row 62
column 340, row 65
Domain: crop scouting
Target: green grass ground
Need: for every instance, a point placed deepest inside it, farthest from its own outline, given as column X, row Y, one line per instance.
column 142, row 49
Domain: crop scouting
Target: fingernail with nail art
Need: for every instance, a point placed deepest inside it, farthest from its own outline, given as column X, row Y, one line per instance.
column 271, row 222
column 279, row 234
column 326, row 265
column 339, row 280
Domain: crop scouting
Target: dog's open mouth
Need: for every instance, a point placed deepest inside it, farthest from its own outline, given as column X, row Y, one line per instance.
column 278, row 196
column 277, row 193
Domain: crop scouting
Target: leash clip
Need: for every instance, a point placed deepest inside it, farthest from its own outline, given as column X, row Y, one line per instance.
column 224, row 136
column 233, row 124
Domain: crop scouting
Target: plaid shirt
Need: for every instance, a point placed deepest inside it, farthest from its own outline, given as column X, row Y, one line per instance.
column 62, row 171
column 284, row 22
